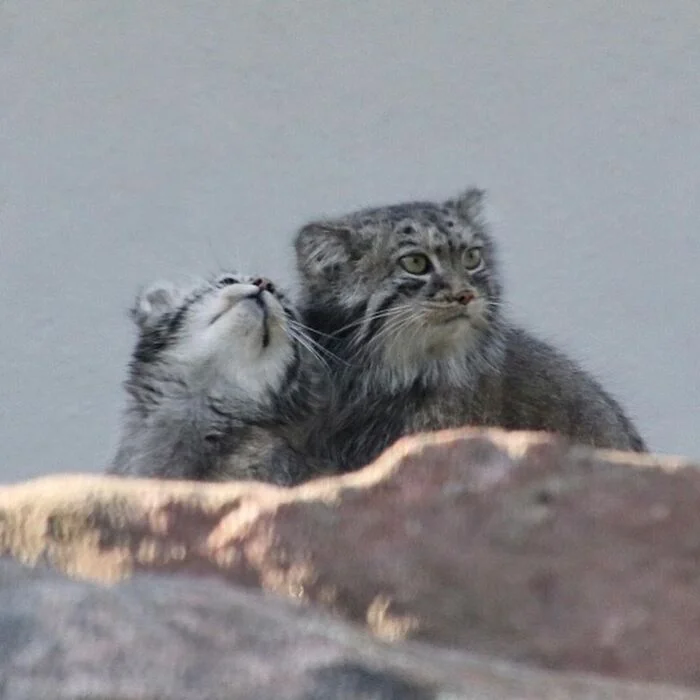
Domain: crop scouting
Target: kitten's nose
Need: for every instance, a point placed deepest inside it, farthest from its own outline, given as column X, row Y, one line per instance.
column 464, row 296
column 264, row 284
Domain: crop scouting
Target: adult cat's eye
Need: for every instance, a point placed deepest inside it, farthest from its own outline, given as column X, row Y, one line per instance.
column 227, row 281
column 471, row 258
column 415, row 263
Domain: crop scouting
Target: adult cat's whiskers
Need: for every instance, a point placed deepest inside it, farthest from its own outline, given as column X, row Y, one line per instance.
column 396, row 330
column 303, row 333
column 308, row 329
column 309, row 344
column 371, row 317
column 398, row 319
column 387, row 314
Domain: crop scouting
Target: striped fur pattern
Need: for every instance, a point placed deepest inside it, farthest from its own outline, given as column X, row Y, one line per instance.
column 219, row 383
column 408, row 298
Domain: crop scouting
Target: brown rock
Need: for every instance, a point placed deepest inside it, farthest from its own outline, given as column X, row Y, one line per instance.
column 515, row 545
column 196, row 639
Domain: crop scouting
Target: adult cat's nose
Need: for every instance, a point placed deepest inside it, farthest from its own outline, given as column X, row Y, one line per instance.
column 464, row 296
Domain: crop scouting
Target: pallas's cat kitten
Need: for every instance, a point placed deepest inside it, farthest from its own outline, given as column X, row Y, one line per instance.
column 408, row 297
column 219, row 384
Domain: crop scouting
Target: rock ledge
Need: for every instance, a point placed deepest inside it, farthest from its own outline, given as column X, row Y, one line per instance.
column 518, row 546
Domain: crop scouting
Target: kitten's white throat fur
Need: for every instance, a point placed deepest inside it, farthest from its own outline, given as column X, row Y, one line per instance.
column 240, row 334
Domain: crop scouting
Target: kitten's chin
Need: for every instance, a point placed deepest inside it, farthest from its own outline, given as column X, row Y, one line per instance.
column 253, row 325
column 249, row 342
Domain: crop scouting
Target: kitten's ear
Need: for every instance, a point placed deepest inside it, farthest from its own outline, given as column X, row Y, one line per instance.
column 153, row 302
column 470, row 205
column 323, row 249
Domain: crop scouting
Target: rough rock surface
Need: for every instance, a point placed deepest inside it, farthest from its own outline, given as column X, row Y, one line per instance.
column 513, row 545
column 183, row 639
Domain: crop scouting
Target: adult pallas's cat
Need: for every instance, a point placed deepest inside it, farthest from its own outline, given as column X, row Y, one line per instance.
column 408, row 297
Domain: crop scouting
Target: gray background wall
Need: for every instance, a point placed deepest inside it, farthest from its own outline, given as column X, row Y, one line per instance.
column 142, row 140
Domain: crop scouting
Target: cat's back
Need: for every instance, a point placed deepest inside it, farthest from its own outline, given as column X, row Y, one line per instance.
column 543, row 389
column 361, row 423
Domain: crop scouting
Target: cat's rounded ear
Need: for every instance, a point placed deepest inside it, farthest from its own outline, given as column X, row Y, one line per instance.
column 153, row 302
column 323, row 249
column 470, row 205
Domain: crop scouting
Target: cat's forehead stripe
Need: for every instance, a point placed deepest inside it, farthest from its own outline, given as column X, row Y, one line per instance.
column 419, row 220
column 439, row 240
column 418, row 211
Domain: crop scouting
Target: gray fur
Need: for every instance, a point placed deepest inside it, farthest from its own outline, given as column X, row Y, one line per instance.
column 195, row 409
column 412, row 357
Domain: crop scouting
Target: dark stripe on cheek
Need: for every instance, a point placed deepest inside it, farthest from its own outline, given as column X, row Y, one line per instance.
column 176, row 321
column 411, row 285
column 178, row 318
column 152, row 342
column 376, row 322
column 290, row 312
column 357, row 312
column 330, row 319
column 293, row 368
